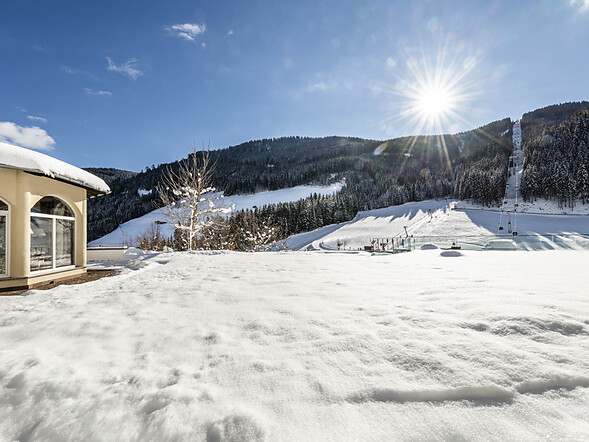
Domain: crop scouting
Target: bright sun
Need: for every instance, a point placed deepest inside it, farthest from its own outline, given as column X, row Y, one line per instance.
column 432, row 105
column 434, row 101
column 432, row 92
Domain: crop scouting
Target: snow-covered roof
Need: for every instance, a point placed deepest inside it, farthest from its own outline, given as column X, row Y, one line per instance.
column 19, row 158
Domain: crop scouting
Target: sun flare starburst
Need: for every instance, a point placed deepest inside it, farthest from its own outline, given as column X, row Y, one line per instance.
column 433, row 103
column 431, row 90
column 432, row 93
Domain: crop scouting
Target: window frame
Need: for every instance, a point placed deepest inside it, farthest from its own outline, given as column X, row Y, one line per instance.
column 6, row 213
column 54, row 219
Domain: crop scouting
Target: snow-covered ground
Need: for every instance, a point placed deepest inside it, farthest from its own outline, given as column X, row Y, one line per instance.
column 427, row 345
column 127, row 232
column 440, row 220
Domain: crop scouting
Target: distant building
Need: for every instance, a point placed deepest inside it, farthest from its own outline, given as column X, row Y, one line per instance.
column 42, row 217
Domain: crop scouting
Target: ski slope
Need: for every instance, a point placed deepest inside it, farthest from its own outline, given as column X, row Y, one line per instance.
column 293, row 346
column 441, row 219
column 127, row 232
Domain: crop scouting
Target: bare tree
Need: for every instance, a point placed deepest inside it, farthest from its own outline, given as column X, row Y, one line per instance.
column 152, row 238
column 190, row 201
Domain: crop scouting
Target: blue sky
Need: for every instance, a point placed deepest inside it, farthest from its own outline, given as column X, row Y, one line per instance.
column 129, row 84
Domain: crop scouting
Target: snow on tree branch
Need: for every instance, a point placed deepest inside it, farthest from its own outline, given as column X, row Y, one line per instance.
column 191, row 202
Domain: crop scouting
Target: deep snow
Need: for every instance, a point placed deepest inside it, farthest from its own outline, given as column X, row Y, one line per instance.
column 304, row 346
column 16, row 157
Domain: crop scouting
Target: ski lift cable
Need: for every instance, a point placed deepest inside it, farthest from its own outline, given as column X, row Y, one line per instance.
column 515, row 161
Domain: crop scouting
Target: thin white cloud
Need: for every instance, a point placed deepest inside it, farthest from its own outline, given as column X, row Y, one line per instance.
column 129, row 68
column 22, row 109
column 316, row 87
column 230, row 32
column 580, row 5
column 70, row 70
column 187, row 31
column 33, row 137
column 41, row 119
column 324, row 83
column 93, row 92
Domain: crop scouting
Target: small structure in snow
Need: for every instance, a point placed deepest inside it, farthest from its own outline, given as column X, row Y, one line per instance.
column 42, row 217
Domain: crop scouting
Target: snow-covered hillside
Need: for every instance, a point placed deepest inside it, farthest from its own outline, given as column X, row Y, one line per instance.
column 433, row 221
column 128, row 231
column 304, row 346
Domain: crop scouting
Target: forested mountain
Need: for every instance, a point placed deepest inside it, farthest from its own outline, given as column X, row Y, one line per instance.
column 534, row 123
column 109, row 175
column 556, row 161
column 467, row 165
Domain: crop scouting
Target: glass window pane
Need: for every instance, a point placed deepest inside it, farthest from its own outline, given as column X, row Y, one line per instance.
column 2, row 245
column 41, row 243
column 3, row 205
column 64, row 241
column 52, row 206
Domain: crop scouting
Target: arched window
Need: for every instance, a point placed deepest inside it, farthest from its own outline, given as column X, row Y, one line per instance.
column 52, row 234
column 3, row 238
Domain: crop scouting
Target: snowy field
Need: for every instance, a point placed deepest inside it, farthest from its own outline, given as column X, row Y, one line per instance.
column 127, row 232
column 427, row 345
column 443, row 219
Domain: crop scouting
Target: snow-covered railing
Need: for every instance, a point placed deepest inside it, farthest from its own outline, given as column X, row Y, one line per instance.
column 107, row 246
column 105, row 252
column 521, row 242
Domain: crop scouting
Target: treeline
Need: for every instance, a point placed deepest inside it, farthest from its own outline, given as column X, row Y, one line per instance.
column 305, row 214
column 420, row 168
column 482, row 181
column 556, row 162
column 535, row 123
column 110, row 175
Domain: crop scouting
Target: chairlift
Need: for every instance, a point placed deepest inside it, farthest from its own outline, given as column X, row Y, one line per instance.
column 500, row 228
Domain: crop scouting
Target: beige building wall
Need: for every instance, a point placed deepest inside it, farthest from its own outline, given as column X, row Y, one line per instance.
column 22, row 190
